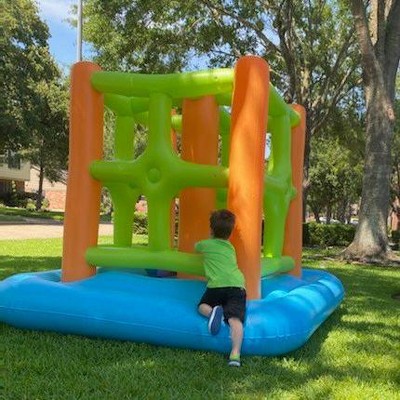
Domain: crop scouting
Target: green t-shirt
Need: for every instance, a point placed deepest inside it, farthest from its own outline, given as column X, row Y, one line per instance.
column 220, row 263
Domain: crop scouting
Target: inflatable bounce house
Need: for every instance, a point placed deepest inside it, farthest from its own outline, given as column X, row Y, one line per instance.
column 124, row 292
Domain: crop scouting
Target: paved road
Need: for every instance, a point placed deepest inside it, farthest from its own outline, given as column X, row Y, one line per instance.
column 41, row 230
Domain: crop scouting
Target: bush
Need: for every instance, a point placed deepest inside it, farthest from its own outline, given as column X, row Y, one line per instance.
column 31, row 205
column 396, row 239
column 324, row 235
column 140, row 223
column 18, row 199
column 45, row 205
column 13, row 195
column 106, row 203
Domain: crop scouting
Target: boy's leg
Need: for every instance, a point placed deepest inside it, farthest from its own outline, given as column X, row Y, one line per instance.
column 214, row 314
column 209, row 306
column 205, row 309
column 236, row 328
column 234, row 311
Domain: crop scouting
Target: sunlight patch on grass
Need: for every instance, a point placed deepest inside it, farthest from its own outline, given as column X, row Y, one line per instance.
column 34, row 255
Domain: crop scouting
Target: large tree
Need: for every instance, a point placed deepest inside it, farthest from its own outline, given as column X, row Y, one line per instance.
column 33, row 111
column 23, row 61
column 48, row 144
column 312, row 66
column 377, row 23
column 310, row 45
column 395, row 181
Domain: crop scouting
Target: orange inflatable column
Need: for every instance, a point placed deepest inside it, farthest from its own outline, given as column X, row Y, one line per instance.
column 82, row 210
column 293, row 241
column 200, row 121
column 246, row 165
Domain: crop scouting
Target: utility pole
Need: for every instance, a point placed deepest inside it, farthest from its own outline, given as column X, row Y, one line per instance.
column 79, row 33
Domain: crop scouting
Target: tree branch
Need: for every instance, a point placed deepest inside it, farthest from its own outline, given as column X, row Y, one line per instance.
column 368, row 57
column 339, row 60
column 377, row 29
column 283, row 22
column 318, row 122
column 392, row 47
column 248, row 24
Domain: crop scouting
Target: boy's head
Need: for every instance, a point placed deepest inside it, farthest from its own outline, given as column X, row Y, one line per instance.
column 222, row 223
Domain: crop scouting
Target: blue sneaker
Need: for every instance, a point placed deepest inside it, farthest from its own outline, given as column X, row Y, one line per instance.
column 214, row 323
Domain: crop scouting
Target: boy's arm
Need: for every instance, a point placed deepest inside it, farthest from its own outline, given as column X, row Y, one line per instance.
column 199, row 246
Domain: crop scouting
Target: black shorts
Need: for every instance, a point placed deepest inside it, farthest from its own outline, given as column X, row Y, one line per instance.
column 232, row 300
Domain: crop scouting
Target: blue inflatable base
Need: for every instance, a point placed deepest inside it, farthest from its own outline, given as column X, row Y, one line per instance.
column 129, row 305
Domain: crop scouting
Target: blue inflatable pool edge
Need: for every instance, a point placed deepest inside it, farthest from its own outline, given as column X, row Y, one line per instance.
column 128, row 305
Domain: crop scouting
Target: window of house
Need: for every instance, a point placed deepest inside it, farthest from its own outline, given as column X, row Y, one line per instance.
column 5, row 186
column 13, row 160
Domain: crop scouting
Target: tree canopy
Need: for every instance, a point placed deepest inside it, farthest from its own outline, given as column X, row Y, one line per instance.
column 24, row 61
column 310, row 46
column 33, row 105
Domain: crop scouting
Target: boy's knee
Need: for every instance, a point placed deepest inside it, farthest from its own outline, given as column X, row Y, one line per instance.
column 204, row 309
column 234, row 321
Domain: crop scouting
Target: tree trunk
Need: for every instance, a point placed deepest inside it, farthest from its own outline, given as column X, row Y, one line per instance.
column 40, row 189
column 371, row 241
column 341, row 212
column 315, row 211
column 306, row 167
column 349, row 213
column 380, row 52
column 328, row 213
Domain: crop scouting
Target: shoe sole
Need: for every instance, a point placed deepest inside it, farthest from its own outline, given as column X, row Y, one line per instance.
column 234, row 363
column 214, row 324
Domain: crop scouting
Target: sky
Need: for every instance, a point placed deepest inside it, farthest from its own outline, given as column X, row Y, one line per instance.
column 63, row 36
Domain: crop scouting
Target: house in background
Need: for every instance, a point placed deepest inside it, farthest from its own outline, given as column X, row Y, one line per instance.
column 26, row 177
column 55, row 192
column 13, row 168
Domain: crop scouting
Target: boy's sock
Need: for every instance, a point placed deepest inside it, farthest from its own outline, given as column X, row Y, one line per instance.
column 214, row 323
column 234, row 360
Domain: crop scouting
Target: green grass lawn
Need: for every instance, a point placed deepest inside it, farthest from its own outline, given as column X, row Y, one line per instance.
column 18, row 214
column 354, row 355
column 10, row 218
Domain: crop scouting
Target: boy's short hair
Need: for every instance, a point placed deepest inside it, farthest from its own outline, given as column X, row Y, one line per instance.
column 222, row 223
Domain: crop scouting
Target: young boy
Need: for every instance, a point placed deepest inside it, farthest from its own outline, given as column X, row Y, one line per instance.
column 225, row 294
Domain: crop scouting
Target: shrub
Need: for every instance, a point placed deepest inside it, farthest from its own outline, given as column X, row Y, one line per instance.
column 17, row 199
column 396, row 239
column 140, row 223
column 306, row 234
column 45, row 205
column 106, row 202
column 4, row 199
column 324, row 235
column 31, row 205
column 13, row 195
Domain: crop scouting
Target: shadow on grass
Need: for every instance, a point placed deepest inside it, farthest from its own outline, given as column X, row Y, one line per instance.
column 11, row 265
column 373, row 285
